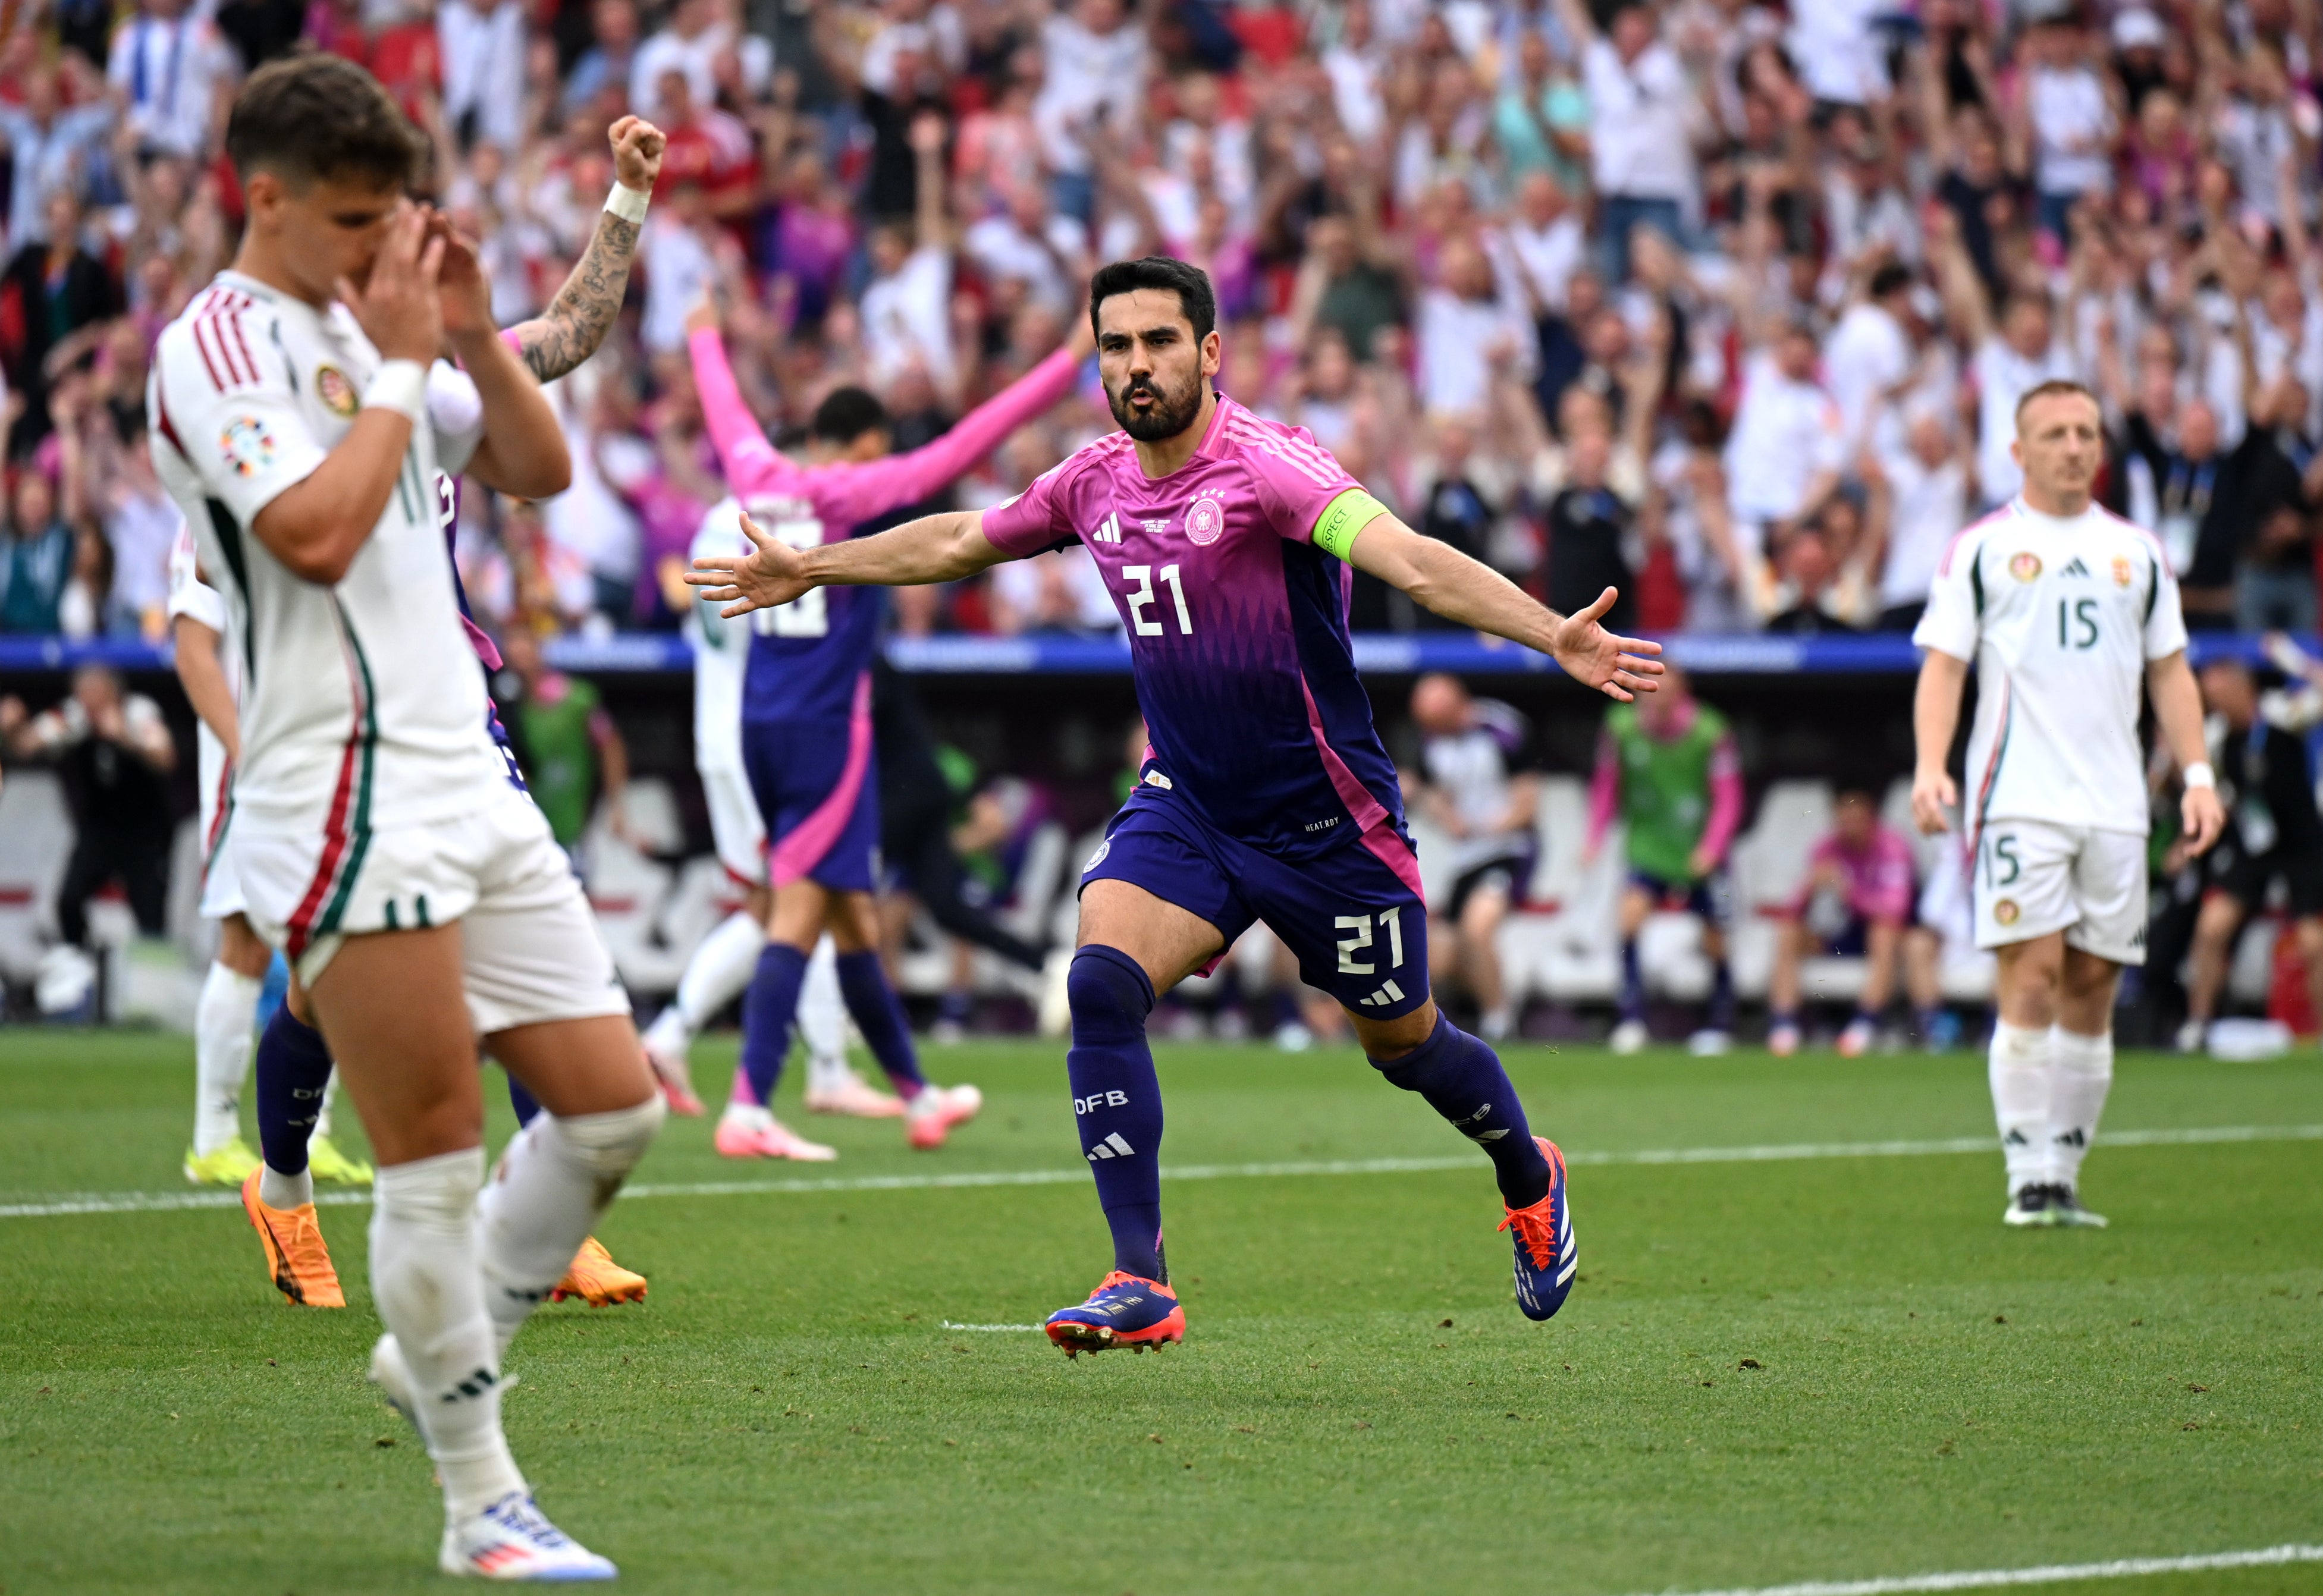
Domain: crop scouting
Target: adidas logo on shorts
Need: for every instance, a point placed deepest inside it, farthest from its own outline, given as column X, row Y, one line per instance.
column 1389, row 993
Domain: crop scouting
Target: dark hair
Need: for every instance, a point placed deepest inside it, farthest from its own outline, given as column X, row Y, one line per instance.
column 846, row 414
column 1191, row 284
column 316, row 116
column 1889, row 278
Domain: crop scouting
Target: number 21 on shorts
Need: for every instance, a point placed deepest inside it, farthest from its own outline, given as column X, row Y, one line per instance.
column 1391, row 925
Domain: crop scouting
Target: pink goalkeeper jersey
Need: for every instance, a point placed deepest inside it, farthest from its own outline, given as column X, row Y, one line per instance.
column 1238, row 624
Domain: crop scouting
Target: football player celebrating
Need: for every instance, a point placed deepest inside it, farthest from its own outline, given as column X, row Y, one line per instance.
column 1227, row 542
column 806, row 736
column 302, row 419
column 2067, row 611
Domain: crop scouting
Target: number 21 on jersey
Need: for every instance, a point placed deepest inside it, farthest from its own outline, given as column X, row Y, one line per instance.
column 809, row 614
column 1140, row 597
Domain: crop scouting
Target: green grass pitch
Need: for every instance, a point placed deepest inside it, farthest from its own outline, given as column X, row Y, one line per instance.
column 1832, row 1368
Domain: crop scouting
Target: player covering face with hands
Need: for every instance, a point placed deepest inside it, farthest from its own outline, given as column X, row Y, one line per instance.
column 293, row 1062
column 302, row 419
column 2067, row 611
column 1227, row 542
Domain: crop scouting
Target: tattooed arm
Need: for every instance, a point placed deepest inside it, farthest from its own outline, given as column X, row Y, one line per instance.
column 577, row 321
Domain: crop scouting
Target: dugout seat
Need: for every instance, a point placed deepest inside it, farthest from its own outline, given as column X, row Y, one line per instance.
column 1768, row 863
column 36, row 839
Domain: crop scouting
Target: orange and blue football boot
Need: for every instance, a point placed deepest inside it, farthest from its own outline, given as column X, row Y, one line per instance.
column 1125, row 1310
column 1547, row 1253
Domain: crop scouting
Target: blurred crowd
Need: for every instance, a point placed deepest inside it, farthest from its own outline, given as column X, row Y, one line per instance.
column 1726, row 303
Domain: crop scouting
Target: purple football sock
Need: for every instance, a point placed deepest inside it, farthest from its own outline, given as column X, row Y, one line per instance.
column 769, row 1004
column 879, row 1015
column 1118, row 1102
column 1463, row 1080
column 294, row 1071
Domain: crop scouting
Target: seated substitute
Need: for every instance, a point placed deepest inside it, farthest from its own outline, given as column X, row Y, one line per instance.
column 1476, row 785
column 1856, row 902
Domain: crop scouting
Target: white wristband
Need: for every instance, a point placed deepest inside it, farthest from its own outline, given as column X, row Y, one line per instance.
column 2201, row 775
column 627, row 202
column 401, row 386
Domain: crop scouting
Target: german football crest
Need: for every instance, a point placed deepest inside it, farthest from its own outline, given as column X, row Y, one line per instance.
column 2024, row 565
column 1205, row 522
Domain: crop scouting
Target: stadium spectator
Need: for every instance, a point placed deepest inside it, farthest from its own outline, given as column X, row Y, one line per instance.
column 1476, row 785
column 1924, row 487
column 116, row 753
column 1856, row 902
column 38, row 564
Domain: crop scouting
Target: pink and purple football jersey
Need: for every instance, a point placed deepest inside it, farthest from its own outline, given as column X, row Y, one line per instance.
column 808, row 657
column 1238, row 628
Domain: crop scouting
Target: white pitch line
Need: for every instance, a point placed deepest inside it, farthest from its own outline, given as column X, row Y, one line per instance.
column 53, row 1204
column 948, row 1325
column 2050, row 1575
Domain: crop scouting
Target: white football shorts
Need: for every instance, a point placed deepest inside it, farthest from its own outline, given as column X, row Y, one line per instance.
column 530, row 946
column 2032, row 878
column 736, row 830
column 221, row 882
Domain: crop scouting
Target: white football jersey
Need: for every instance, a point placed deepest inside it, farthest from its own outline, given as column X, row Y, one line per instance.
column 2060, row 618
column 722, row 649
column 190, row 595
column 362, row 702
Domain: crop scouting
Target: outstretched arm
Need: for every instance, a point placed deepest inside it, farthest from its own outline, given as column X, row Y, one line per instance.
column 582, row 312
column 875, row 487
column 1442, row 578
column 935, row 548
column 752, row 465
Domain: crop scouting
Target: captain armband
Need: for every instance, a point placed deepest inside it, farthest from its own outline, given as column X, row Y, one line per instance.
column 1342, row 519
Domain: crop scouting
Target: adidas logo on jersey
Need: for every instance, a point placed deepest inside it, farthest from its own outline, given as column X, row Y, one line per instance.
column 1108, row 530
column 2073, row 567
column 1388, row 993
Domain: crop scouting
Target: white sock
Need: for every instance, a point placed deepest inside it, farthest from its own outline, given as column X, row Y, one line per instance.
column 555, row 1178
column 714, row 976
column 2019, row 1070
column 278, row 1190
column 323, row 1109
column 2077, row 1085
column 424, row 1276
column 822, row 1013
column 225, row 1018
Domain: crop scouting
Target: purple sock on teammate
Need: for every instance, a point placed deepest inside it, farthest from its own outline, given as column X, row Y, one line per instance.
column 525, row 1104
column 1633, row 982
column 879, row 1015
column 294, row 1071
column 769, row 1007
column 1463, row 1080
column 1118, row 1102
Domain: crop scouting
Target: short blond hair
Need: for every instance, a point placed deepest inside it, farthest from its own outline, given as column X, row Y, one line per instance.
column 2051, row 389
